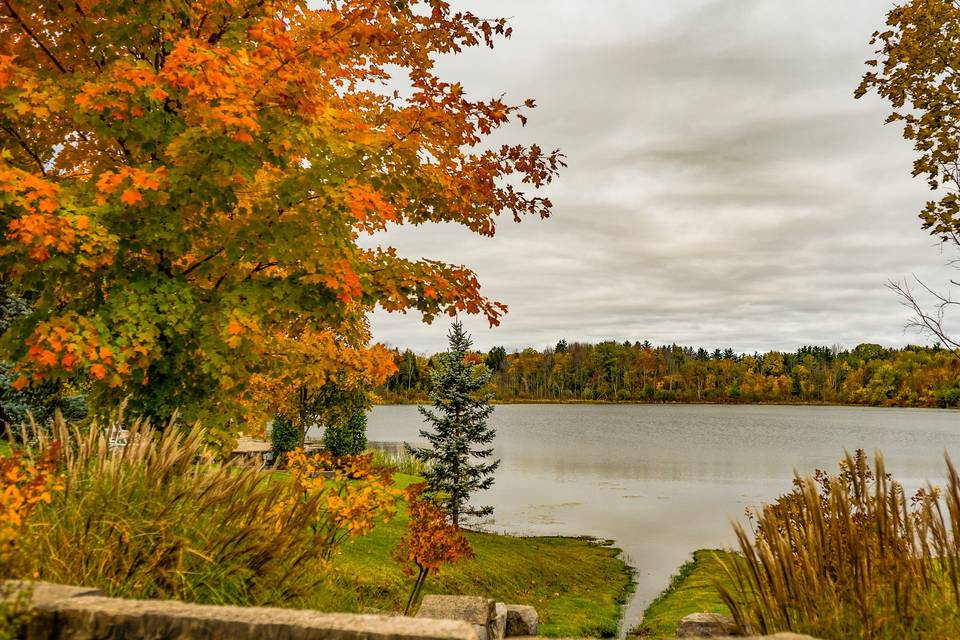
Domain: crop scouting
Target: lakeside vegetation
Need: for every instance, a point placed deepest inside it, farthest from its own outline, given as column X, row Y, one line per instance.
column 843, row 555
column 691, row 590
column 158, row 519
column 577, row 585
column 640, row 372
column 852, row 555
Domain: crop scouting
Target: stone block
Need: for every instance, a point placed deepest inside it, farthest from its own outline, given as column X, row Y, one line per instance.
column 498, row 627
column 475, row 610
column 706, row 625
column 521, row 620
column 41, row 593
column 472, row 609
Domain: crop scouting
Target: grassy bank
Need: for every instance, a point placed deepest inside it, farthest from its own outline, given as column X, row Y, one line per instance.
column 576, row 585
column 691, row 590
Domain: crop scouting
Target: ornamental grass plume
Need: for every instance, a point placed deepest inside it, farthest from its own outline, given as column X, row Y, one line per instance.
column 156, row 519
column 430, row 541
column 852, row 556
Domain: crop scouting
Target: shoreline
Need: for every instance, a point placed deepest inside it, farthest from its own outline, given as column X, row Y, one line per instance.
column 580, row 585
column 741, row 403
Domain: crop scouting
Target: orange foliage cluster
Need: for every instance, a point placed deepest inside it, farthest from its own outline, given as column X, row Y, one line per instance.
column 71, row 342
column 353, row 492
column 431, row 541
column 134, row 182
column 24, row 483
column 188, row 185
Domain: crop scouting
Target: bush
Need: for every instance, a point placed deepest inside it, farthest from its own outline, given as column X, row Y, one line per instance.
column 284, row 437
column 850, row 556
column 348, row 438
column 153, row 519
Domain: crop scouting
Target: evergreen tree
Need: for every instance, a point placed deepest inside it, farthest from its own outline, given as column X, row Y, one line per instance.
column 457, row 460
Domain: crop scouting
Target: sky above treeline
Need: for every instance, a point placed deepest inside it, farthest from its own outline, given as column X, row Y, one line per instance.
column 724, row 187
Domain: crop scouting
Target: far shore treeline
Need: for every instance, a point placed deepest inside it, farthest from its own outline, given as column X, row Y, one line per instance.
column 869, row 374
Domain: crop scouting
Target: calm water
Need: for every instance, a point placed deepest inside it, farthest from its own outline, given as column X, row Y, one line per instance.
column 663, row 480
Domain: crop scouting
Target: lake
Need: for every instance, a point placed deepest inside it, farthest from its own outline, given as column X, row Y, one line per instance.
column 664, row 480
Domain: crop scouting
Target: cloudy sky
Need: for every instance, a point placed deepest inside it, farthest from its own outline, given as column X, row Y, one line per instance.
column 724, row 187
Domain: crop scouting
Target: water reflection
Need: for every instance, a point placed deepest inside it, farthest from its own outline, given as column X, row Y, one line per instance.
column 663, row 480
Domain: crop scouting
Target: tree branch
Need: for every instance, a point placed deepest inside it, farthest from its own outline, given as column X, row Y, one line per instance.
column 261, row 266
column 929, row 323
column 197, row 264
column 13, row 132
column 29, row 32
column 219, row 33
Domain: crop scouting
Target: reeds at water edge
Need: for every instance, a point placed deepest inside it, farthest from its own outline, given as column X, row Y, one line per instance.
column 852, row 556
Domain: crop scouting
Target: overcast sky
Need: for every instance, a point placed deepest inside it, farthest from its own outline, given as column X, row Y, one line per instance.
column 724, row 187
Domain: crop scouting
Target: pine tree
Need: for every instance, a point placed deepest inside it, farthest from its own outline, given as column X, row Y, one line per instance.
column 456, row 460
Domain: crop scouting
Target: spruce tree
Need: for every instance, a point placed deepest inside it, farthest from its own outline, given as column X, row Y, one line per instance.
column 458, row 460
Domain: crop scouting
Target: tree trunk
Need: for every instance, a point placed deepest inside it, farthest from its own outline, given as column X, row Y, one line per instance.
column 417, row 588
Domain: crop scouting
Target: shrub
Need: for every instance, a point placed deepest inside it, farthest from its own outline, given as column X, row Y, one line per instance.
column 38, row 403
column 14, row 610
column 24, row 484
column 851, row 556
column 153, row 519
column 284, row 437
column 948, row 397
column 347, row 438
column 354, row 491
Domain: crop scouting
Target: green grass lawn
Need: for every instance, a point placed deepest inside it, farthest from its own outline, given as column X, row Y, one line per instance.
column 691, row 590
column 577, row 585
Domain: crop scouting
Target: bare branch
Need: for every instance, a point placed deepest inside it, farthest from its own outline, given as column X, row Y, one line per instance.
column 929, row 323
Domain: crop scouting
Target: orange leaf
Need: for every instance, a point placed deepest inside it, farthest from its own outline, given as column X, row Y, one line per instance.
column 131, row 196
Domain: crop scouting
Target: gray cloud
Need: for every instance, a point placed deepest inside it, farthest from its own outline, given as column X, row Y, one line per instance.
column 724, row 188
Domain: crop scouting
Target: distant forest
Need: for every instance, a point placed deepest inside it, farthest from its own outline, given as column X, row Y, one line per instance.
column 640, row 372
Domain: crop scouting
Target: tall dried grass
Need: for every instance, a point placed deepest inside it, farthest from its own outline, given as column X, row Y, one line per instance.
column 400, row 461
column 851, row 556
column 152, row 519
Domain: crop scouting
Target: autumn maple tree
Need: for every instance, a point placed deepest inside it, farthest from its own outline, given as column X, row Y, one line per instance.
column 183, row 184
column 430, row 541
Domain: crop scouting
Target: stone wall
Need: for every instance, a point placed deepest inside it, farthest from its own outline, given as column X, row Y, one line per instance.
column 59, row 612
column 73, row 613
